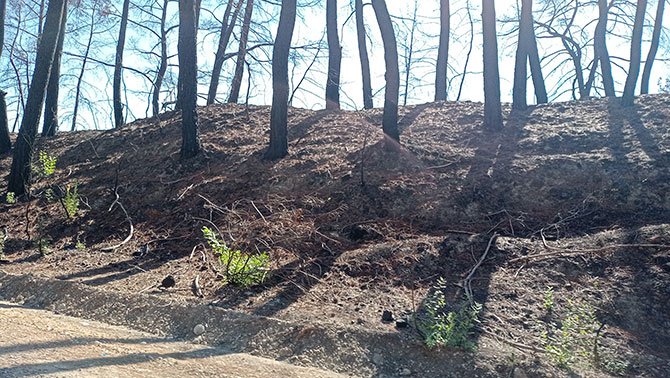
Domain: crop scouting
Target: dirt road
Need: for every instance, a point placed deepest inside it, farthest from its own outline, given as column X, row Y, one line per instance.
column 40, row 343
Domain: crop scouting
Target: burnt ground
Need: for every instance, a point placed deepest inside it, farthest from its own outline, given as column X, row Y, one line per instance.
column 577, row 195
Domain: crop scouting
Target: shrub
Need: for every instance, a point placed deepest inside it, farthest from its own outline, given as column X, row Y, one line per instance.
column 46, row 165
column 10, row 198
column 240, row 268
column 71, row 200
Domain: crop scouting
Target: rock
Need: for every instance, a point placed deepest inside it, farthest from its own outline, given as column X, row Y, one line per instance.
column 387, row 316
column 401, row 323
column 404, row 372
column 168, row 282
column 199, row 329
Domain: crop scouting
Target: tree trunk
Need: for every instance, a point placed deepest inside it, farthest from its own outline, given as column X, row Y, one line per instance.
column 363, row 54
column 392, row 91
column 20, row 176
column 241, row 54
column 493, row 119
column 628, row 97
column 443, row 52
column 527, row 51
column 227, row 26
column 280, row 86
column 120, row 46
column 80, row 78
column 50, row 126
column 162, row 68
column 5, row 141
column 653, row 49
column 188, row 78
column 334, row 57
column 600, row 47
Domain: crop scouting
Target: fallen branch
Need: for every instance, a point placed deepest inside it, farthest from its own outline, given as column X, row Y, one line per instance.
column 466, row 284
column 128, row 219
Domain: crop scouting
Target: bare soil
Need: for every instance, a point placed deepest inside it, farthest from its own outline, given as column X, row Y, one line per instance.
column 577, row 194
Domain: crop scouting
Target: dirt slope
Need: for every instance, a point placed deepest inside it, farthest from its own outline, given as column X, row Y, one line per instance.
column 353, row 229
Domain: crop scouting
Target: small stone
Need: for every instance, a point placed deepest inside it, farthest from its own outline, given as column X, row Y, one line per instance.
column 404, row 372
column 387, row 316
column 199, row 329
column 377, row 359
column 168, row 282
column 401, row 323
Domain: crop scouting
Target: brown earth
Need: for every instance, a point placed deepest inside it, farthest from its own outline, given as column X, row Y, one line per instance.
column 353, row 228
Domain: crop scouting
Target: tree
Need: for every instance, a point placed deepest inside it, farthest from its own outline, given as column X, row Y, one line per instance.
column 527, row 51
column 334, row 57
column 443, row 52
column 163, row 65
column 241, row 53
column 5, row 141
column 363, row 55
column 602, row 54
column 227, row 26
column 20, row 175
column 492, row 108
column 653, row 49
column 280, row 86
column 392, row 92
column 188, row 78
column 50, row 126
column 635, row 55
column 118, row 66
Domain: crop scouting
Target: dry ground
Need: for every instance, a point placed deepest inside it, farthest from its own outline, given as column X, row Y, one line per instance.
column 353, row 229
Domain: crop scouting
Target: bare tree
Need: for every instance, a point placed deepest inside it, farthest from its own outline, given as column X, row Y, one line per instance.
column 602, row 56
column 493, row 119
column 278, row 147
column 334, row 57
column 628, row 96
column 50, row 126
column 392, row 91
column 20, row 175
column 188, row 74
column 5, row 141
column 527, row 51
column 227, row 26
column 653, row 49
column 241, row 53
column 163, row 65
column 118, row 66
column 443, row 52
column 363, row 55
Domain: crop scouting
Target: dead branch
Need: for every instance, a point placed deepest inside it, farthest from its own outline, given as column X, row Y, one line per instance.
column 128, row 219
column 466, row 284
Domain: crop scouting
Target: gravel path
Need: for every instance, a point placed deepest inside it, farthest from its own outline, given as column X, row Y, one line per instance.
column 40, row 343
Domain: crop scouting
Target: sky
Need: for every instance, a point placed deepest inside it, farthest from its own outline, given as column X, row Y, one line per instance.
column 310, row 28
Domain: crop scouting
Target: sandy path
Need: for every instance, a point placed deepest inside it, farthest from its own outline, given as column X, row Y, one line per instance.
column 40, row 343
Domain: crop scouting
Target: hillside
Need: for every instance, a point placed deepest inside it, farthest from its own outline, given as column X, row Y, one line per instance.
column 577, row 193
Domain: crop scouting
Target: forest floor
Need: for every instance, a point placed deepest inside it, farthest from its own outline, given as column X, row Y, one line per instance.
column 574, row 199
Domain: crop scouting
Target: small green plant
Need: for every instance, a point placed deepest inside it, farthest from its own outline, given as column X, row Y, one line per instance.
column 79, row 246
column 71, row 200
column 240, row 268
column 448, row 329
column 49, row 195
column 46, row 164
column 548, row 299
column 10, row 198
column 43, row 246
column 574, row 335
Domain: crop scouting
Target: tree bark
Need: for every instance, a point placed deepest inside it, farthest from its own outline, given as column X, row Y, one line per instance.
column 628, row 96
column 5, row 141
column 188, row 78
column 443, row 52
column 653, row 49
column 118, row 67
column 535, row 67
column 241, row 54
column 334, row 57
column 493, row 119
column 227, row 26
column 363, row 55
column 600, row 47
column 20, row 175
column 50, row 126
column 278, row 147
column 82, row 71
column 392, row 75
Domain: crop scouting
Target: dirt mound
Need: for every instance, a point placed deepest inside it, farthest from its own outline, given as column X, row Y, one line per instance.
column 353, row 229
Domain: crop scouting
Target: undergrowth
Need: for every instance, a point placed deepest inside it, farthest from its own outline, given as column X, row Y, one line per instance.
column 240, row 268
